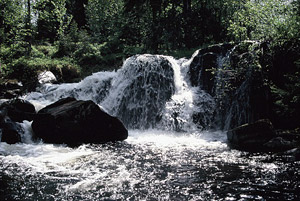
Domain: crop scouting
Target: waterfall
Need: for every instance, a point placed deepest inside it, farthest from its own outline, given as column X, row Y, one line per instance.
column 140, row 90
column 149, row 91
column 188, row 103
column 156, row 91
column 231, row 75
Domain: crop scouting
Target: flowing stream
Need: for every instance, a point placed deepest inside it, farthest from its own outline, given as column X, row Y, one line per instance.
column 168, row 155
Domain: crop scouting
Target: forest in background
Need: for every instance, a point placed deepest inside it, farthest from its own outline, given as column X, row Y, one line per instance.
column 74, row 38
column 99, row 34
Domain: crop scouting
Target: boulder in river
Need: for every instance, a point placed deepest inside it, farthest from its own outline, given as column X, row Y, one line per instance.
column 279, row 144
column 18, row 110
column 73, row 122
column 10, row 131
column 252, row 136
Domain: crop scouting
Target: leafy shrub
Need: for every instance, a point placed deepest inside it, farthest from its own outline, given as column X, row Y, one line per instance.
column 47, row 50
column 88, row 53
column 22, row 70
column 36, row 52
column 66, row 47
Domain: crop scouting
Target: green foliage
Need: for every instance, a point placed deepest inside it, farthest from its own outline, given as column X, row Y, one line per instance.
column 11, row 20
column 77, row 9
column 46, row 50
column 104, row 18
column 16, row 65
column 24, row 71
column 266, row 19
column 88, row 54
column 99, row 34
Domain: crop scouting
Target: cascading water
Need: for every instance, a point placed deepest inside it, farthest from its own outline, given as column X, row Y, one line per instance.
column 94, row 87
column 140, row 90
column 187, row 101
column 170, row 155
column 149, row 91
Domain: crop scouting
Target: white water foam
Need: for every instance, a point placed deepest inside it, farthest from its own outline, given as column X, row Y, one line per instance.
column 88, row 166
column 151, row 164
column 94, row 87
column 187, row 101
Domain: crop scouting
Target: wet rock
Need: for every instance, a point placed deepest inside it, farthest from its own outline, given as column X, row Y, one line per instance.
column 292, row 155
column 10, row 88
column 46, row 77
column 204, row 63
column 251, row 137
column 19, row 110
column 232, row 75
column 203, row 75
column 146, row 83
column 10, row 131
column 74, row 122
column 278, row 144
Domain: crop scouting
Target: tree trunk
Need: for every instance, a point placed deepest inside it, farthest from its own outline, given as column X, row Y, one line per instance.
column 156, row 11
column 186, row 24
column 28, row 29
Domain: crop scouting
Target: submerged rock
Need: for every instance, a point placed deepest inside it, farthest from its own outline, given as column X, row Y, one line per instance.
column 251, row 137
column 278, row 144
column 74, row 122
column 293, row 154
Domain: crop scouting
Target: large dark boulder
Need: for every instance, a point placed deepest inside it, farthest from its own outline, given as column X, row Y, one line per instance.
column 204, row 63
column 232, row 74
column 74, row 122
column 251, row 137
column 19, row 110
column 12, row 112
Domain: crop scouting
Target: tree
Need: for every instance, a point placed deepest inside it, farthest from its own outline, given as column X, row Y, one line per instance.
column 77, row 9
column 11, row 20
column 187, row 4
column 28, row 29
column 52, row 19
column 155, row 5
column 103, row 18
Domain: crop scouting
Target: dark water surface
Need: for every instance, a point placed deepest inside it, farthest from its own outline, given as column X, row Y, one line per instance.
column 150, row 165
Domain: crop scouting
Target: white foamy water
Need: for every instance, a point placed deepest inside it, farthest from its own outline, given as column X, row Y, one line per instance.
column 149, row 165
column 187, row 101
column 94, row 87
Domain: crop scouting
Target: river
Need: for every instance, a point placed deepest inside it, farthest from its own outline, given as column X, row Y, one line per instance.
column 149, row 165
